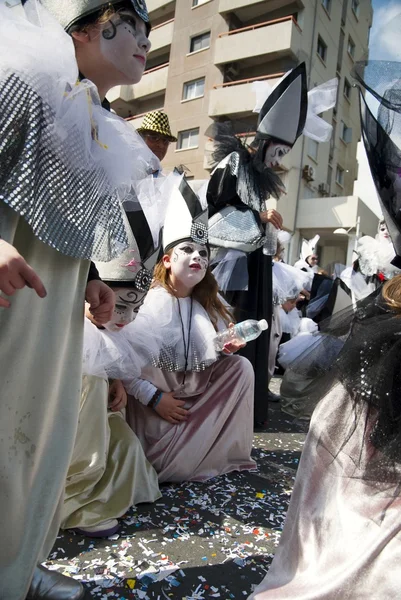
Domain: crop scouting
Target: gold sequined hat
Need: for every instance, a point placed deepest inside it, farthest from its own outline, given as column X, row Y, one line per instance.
column 157, row 122
column 69, row 12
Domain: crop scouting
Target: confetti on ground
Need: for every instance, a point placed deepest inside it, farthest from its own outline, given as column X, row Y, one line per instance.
column 200, row 540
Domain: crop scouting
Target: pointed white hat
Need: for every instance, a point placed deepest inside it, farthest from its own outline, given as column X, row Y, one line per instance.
column 135, row 266
column 308, row 247
column 185, row 218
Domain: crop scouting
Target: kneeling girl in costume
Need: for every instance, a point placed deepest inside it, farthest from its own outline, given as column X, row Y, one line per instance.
column 191, row 407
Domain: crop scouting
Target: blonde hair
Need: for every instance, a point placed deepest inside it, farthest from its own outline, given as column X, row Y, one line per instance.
column 205, row 292
column 391, row 293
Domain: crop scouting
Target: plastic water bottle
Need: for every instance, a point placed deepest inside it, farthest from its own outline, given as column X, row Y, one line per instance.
column 270, row 245
column 241, row 332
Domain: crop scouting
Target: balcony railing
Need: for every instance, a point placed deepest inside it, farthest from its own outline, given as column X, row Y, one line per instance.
column 249, row 80
column 273, row 39
column 156, row 68
column 259, row 25
column 236, row 97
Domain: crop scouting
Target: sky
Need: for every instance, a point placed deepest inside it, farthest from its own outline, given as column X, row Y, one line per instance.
column 385, row 38
column 385, row 32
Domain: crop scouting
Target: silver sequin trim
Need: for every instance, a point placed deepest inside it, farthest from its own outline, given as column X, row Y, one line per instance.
column 70, row 210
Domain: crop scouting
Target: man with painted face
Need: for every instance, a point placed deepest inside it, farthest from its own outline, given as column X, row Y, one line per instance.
column 244, row 179
column 63, row 175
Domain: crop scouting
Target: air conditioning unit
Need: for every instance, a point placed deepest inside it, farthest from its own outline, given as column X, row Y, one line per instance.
column 324, row 189
column 308, row 173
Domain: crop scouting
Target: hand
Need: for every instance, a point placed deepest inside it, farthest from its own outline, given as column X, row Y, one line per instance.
column 15, row 273
column 101, row 301
column 117, row 396
column 273, row 217
column 233, row 345
column 170, row 409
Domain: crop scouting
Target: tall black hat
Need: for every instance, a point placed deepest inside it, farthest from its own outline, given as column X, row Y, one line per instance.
column 283, row 114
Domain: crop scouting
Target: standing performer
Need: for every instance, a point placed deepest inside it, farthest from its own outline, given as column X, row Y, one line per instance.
column 244, row 179
column 65, row 164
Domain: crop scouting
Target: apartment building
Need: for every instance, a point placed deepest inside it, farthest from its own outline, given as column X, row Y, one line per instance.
column 206, row 54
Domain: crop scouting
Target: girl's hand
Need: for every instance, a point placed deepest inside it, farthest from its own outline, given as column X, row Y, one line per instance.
column 272, row 216
column 117, row 396
column 234, row 345
column 171, row 409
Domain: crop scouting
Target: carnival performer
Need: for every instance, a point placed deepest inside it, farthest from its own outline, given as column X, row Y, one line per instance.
column 341, row 537
column 65, row 166
column 373, row 264
column 239, row 187
column 108, row 472
column 288, row 283
column 191, row 407
column 308, row 260
column 342, row 527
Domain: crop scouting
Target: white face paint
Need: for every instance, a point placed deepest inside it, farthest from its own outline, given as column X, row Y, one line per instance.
column 275, row 153
column 383, row 233
column 124, row 44
column 128, row 302
column 189, row 262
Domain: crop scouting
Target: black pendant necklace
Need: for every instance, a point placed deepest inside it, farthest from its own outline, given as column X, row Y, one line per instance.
column 187, row 344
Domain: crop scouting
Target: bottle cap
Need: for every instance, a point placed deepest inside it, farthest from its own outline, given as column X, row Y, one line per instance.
column 263, row 324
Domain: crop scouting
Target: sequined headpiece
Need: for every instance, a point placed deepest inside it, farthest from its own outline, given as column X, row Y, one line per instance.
column 283, row 114
column 69, row 12
column 185, row 218
column 135, row 266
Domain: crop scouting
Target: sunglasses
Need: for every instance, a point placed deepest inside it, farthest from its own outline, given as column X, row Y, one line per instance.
column 156, row 137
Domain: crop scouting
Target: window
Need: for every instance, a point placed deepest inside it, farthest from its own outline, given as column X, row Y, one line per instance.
column 327, row 4
column 340, row 175
column 321, row 48
column 346, row 133
column 351, row 47
column 188, row 139
column 198, row 2
column 347, row 89
column 355, row 7
column 333, row 139
column 329, row 175
column 194, row 89
column 313, row 148
column 199, row 42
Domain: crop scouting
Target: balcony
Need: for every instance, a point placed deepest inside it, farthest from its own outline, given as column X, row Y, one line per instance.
column 158, row 8
column 334, row 212
column 236, row 98
column 245, row 10
column 153, row 82
column 255, row 44
column 161, row 37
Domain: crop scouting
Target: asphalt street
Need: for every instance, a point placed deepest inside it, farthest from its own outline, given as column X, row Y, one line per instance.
column 200, row 540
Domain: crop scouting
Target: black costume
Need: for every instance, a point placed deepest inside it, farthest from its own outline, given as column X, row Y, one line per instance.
column 242, row 180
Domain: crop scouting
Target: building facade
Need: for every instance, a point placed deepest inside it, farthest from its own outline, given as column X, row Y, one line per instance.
column 206, row 54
